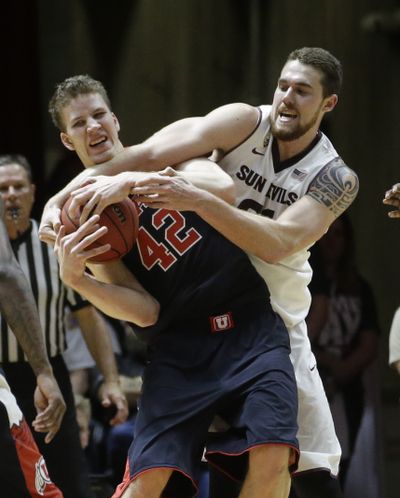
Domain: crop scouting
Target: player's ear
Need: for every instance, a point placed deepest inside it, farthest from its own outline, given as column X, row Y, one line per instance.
column 117, row 125
column 330, row 102
column 67, row 142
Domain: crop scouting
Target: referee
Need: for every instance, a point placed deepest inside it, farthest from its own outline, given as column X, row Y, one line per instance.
column 64, row 456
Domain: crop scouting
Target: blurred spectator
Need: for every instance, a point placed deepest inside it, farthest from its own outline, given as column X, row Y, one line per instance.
column 346, row 341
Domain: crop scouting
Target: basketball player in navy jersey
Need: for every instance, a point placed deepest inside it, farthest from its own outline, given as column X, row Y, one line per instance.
column 215, row 344
column 291, row 185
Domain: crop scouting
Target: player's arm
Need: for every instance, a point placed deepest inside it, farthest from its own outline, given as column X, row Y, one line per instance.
column 201, row 173
column 111, row 287
column 221, row 129
column 300, row 225
column 18, row 308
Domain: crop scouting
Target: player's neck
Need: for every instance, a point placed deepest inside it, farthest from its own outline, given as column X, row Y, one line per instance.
column 289, row 149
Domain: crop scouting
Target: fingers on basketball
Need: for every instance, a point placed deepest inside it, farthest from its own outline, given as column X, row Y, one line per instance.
column 122, row 221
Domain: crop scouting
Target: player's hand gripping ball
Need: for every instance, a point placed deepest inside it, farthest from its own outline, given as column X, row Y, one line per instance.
column 122, row 221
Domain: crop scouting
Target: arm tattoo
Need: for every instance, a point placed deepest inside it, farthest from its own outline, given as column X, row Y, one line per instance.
column 335, row 186
column 18, row 308
column 17, row 304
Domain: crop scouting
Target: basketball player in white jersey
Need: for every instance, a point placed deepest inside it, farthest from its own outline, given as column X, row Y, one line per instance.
column 291, row 185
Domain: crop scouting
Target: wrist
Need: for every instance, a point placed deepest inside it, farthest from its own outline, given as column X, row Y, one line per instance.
column 76, row 282
column 128, row 182
column 205, row 202
column 112, row 379
column 43, row 370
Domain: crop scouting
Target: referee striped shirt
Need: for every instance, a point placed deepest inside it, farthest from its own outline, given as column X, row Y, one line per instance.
column 40, row 266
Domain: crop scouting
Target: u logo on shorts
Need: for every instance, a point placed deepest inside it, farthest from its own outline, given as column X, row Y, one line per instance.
column 221, row 322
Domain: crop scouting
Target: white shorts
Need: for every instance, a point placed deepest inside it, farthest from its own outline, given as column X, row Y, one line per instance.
column 319, row 446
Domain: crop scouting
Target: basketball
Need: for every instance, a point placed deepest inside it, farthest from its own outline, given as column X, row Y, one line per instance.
column 122, row 221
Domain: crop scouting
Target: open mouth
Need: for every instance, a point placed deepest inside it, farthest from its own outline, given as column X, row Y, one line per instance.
column 287, row 116
column 98, row 142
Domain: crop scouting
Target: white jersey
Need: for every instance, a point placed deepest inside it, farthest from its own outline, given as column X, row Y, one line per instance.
column 266, row 191
column 261, row 189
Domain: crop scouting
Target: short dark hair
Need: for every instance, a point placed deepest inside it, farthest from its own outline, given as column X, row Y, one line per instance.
column 71, row 88
column 7, row 159
column 322, row 60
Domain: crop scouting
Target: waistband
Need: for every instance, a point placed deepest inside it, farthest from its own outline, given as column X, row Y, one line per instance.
column 221, row 319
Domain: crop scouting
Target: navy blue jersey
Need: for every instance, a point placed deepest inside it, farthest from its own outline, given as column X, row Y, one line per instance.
column 191, row 269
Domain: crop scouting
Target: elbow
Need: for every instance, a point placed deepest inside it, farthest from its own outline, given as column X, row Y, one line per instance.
column 270, row 258
column 226, row 187
column 150, row 317
column 228, row 192
column 274, row 256
column 280, row 247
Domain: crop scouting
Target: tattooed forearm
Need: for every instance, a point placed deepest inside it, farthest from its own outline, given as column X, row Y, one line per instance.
column 19, row 310
column 336, row 186
column 17, row 304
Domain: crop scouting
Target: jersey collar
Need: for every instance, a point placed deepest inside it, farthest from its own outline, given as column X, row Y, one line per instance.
column 281, row 165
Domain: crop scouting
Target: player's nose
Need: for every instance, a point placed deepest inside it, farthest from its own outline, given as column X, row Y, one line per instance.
column 92, row 124
column 288, row 96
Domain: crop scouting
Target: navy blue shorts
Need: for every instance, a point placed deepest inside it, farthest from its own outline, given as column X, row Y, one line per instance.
column 242, row 372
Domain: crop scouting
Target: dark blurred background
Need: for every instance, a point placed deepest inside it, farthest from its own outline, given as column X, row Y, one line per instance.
column 165, row 59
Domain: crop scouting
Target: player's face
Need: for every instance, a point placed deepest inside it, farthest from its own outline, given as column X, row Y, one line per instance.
column 91, row 129
column 298, row 106
column 18, row 194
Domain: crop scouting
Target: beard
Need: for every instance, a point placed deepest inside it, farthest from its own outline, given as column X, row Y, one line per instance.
column 290, row 134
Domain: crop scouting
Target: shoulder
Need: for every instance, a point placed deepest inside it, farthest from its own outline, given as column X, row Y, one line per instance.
column 229, row 125
column 335, row 185
column 235, row 113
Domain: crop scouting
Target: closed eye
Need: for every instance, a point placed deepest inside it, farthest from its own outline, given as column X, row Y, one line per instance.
column 99, row 114
column 78, row 123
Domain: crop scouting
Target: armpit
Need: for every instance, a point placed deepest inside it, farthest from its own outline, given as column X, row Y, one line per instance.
column 335, row 186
